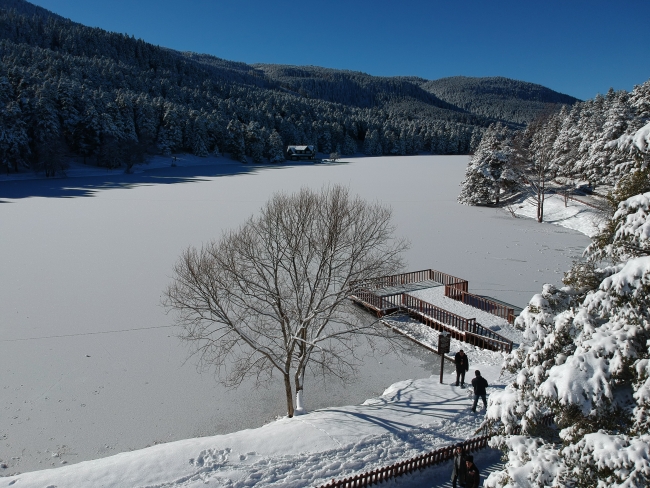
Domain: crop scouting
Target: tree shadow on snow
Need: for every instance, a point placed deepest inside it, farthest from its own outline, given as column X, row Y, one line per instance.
column 88, row 186
column 442, row 409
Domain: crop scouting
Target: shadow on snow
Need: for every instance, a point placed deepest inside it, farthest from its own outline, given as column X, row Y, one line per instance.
column 89, row 185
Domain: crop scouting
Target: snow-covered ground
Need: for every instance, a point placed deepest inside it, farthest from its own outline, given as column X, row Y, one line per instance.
column 436, row 296
column 409, row 418
column 90, row 363
column 572, row 215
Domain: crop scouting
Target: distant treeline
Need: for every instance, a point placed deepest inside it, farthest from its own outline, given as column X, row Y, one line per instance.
column 70, row 90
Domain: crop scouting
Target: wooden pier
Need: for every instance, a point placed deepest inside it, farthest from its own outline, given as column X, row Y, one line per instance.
column 379, row 297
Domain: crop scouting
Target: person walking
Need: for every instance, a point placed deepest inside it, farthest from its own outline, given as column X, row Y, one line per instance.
column 472, row 475
column 480, row 384
column 460, row 468
column 462, row 365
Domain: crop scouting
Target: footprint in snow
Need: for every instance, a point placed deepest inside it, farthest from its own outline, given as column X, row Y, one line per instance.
column 211, row 458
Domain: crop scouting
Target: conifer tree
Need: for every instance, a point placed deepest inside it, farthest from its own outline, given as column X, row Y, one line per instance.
column 488, row 172
column 276, row 149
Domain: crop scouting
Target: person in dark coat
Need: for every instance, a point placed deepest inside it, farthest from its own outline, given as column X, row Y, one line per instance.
column 472, row 476
column 480, row 384
column 459, row 469
column 462, row 365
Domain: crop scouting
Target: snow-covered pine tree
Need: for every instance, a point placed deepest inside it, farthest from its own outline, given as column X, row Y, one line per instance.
column 586, row 360
column 488, row 172
column 236, row 142
column 197, row 134
column 372, row 143
column 349, row 146
column 617, row 114
column 276, row 148
column 14, row 140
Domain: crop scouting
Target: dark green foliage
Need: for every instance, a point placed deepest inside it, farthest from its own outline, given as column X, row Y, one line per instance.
column 635, row 182
column 583, row 276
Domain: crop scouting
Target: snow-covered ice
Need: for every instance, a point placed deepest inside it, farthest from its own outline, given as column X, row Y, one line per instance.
column 90, row 363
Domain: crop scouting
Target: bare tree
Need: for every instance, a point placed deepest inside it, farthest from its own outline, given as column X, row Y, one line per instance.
column 271, row 296
column 534, row 159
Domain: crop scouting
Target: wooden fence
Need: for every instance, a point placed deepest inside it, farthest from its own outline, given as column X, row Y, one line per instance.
column 448, row 280
column 456, row 288
column 498, row 343
column 482, row 303
column 393, row 280
column 432, row 458
column 425, row 311
column 460, row 328
column 569, row 197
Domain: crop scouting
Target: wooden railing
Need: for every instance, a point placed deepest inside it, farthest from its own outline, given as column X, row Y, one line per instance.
column 456, row 288
column 460, row 328
column 394, row 280
column 432, row 458
column 380, row 305
column 583, row 202
column 486, row 342
column 411, row 277
column 440, row 315
column 448, row 280
column 485, row 304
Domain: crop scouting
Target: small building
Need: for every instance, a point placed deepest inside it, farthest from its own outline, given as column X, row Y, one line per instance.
column 294, row 153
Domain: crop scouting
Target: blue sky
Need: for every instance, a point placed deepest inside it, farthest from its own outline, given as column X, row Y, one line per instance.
column 576, row 47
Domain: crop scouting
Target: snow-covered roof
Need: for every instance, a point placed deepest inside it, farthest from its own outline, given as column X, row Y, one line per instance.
column 300, row 148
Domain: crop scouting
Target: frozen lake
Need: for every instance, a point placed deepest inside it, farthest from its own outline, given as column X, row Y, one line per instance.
column 90, row 363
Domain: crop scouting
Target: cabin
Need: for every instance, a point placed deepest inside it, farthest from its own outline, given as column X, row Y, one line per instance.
column 294, row 153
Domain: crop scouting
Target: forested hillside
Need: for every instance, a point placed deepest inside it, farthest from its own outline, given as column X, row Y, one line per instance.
column 498, row 98
column 70, row 90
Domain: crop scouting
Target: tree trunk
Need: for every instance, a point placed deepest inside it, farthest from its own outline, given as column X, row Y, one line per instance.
column 289, row 393
column 299, row 407
column 299, row 390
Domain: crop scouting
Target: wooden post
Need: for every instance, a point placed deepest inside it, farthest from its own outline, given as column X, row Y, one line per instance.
column 444, row 346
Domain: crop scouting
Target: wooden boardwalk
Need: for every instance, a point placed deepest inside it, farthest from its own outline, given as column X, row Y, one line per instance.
column 389, row 295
